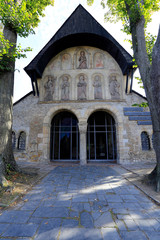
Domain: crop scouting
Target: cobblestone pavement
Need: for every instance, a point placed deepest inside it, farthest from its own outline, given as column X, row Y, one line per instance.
column 92, row 202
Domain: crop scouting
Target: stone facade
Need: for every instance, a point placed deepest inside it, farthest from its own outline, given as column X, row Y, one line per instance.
column 81, row 80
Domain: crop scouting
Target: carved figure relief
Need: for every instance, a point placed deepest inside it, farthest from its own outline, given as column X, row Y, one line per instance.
column 49, row 87
column 65, row 88
column 98, row 60
column 114, row 87
column 97, row 87
column 82, row 60
column 82, row 85
column 66, row 61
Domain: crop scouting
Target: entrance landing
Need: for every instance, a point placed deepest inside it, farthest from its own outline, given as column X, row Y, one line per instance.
column 89, row 202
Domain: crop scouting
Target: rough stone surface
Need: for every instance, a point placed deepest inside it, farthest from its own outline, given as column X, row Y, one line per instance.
column 93, row 219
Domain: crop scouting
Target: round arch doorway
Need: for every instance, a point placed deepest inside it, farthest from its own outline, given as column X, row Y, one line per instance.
column 64, row 137
column 101, row 137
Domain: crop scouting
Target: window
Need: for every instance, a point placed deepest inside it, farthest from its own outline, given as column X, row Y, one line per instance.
column 101, row 137
column 64, row 137
column 145, row 141
column 13, row 140
column 22, row 141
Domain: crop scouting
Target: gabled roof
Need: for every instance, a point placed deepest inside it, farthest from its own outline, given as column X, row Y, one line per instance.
column 80, row 29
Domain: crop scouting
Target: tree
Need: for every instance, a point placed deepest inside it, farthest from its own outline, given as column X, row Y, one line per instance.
column 19, row 17
column 135, row 15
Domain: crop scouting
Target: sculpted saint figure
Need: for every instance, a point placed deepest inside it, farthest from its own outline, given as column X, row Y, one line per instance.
column 65, row 88
column 97, row 87
column 82, row 61
column 114, row 88
column 81, row 88
column 49, row 87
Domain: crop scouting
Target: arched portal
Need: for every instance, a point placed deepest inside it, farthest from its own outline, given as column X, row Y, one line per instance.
column 64, row 137
column 101, row 137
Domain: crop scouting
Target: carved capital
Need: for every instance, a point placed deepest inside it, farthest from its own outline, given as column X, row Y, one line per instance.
column 82, row 127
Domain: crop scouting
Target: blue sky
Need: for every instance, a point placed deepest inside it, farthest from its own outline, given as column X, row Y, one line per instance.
column 55, row 17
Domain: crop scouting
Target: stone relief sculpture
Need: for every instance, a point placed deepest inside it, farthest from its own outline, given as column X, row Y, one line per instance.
column 65, row 88
column 82, row 85
column 66, row 61
column 49, row 87
column 82, row 60
column 114, row 87
column 97, row 87
column 98, row 60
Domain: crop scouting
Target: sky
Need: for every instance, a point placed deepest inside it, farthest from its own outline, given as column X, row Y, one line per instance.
column 54, row 18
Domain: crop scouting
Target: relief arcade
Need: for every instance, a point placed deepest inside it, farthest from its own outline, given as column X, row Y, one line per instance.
column 84, row 71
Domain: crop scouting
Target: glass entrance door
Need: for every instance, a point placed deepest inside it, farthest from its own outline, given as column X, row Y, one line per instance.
column 64, row 137
column 101, row 137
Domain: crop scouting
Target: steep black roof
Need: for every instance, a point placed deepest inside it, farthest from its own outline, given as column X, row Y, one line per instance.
column 80, row 29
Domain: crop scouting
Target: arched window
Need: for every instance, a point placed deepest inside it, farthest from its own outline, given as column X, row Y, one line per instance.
column 101, row 137
column 22, row 141
column 13, row 140
column 64, row 137
column 145, row 141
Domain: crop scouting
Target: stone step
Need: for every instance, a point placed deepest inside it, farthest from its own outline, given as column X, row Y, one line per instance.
column 144, row 122
column 137, row 113
column 138, row 118
column 134, row 109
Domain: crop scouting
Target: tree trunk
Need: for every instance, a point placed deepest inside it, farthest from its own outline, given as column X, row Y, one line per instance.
column 155, row 109
column 6, row 116
column 150, row 75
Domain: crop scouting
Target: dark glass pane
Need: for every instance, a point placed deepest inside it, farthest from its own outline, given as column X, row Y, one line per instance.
column 100, row 146
column 92, row 149
column 101, row 136
column 56, row 145
column 22, row 141
column 64, row 136
column 65, row 146
column 145, row 141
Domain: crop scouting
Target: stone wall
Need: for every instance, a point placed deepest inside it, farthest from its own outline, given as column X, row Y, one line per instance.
column 35, row 119
column 81, row 80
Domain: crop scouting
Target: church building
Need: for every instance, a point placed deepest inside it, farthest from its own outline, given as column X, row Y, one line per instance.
column 80, row 109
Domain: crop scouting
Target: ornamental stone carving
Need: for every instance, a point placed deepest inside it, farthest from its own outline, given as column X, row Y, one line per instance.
column 49, row 87
column 114, row 87
column 65, row 88
column 81, row 88
column 66, row 61
column 97, row 87
column 82, row 60
column 82, row 127
column 98, row 60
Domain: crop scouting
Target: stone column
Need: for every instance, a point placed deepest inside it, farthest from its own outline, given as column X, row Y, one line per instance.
column 83, row 147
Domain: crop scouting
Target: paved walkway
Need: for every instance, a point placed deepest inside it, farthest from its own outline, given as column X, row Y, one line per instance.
column 92, row 202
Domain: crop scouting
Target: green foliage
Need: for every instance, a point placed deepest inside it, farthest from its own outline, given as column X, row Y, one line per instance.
column 130, row 11
column 139, row 81
column 90, row 2
column 8, row 53
column 150, row 41
column 22, row 16
column 143, row 104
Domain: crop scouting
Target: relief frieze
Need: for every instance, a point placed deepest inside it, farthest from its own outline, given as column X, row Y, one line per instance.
column 81, row 88
column 114, row 87
column 49, row 88
column 65, row 88
column 97, row 84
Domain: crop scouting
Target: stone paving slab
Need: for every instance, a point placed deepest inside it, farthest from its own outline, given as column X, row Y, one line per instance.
column 90, row 202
